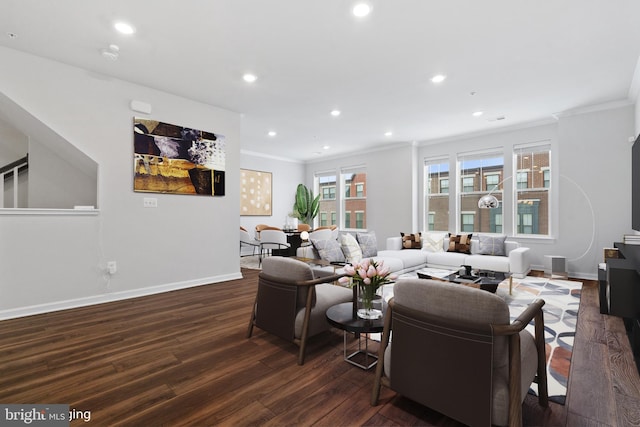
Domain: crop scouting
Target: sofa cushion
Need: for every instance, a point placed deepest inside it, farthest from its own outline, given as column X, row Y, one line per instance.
column 392, row 261
column 448, row 260
column 433, row 242
column 410, row 258
column 368, row 244
column 329, row 250
column 491, row 245
column 460, row 243
column 350, row 248
column 411, row 241
column 488, row 262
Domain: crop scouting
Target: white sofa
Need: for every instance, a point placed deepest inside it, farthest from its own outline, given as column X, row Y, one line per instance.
column 516, row 261
column 399, row 260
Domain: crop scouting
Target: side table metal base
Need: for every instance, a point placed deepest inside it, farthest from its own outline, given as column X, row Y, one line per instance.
column 360, row 353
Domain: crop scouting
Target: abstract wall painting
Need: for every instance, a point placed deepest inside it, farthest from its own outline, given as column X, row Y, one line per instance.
column 255, row 193
column 174, row 159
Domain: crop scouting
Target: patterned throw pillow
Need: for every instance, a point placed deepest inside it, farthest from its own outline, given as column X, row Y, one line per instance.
column 329, row 250
column 368, row 244
column 433, row 242
column 460, row 243
column 350, row 248
column 491, row 245
column 411, row 241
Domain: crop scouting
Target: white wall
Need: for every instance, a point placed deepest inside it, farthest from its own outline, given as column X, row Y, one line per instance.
column 592, row 165
column 595, row 170
column 389, row 187
column 51, row 261
column 591, row 159
column 55, row 182
column 13, row 144
column 286, row 174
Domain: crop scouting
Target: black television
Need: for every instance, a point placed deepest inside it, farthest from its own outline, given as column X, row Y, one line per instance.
column 635, row 185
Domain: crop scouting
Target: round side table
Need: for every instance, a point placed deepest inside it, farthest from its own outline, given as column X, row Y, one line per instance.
column 342, row 316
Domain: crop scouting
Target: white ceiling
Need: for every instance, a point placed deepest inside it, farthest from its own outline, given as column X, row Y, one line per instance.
column 524, row 60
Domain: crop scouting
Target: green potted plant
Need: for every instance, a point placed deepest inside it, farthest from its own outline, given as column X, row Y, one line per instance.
column 306, row 206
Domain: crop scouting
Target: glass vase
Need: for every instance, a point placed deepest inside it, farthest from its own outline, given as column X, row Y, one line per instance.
column 369, row 304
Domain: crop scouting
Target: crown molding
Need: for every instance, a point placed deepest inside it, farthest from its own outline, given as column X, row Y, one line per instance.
column 270, row 156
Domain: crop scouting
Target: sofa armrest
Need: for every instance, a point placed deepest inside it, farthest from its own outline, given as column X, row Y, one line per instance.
column 519, row 262
column 394, row 243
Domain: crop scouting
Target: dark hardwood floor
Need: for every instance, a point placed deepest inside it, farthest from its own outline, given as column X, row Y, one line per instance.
column 181, row 358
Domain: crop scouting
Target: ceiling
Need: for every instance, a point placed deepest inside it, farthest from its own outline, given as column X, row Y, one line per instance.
column 515, row 61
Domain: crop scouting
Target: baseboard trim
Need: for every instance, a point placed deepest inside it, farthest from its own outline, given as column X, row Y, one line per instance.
column 111, row 297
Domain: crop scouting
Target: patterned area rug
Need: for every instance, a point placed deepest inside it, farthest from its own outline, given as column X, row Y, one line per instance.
column 562, row 300
column 250, row 262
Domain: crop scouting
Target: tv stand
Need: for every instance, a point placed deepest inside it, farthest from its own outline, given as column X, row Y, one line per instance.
column 620, row 291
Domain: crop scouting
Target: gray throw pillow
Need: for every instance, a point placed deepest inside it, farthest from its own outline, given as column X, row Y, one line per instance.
column 491, row 245
column 329, row 250
column 368, row 244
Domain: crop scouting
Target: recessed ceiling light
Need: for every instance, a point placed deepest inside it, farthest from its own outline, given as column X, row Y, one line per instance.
column 477, row 114
column 124, row 28
column 249, row 78
column 361, row 9
column 335, row 113
column 272, row 133
column 326, row 147
column 439, row 78
column 388, row 133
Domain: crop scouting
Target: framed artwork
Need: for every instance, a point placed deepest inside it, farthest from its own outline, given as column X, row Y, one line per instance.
column 255, row 193
column 174, row 159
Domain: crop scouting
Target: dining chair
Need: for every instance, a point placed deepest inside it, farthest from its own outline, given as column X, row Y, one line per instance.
column 271, row 239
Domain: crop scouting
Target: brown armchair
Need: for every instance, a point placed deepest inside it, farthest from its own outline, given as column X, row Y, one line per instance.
column 291, row 303
column 455, row 351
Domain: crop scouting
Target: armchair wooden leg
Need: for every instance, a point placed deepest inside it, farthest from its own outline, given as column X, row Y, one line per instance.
column 541, row 377
column 252, row 320
column 386, row 333
column 305, row 325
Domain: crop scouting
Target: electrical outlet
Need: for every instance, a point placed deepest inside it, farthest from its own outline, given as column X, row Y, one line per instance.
column 112, row 267
column 150, row 202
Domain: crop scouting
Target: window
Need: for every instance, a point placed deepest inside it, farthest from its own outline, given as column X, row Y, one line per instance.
column 354, row 198
column 491, row 181
column 325, row 184
column 480, row 174
column 323, row 218
column 333, row 218
column 359, row 219
column 467, row 221
column 496, row 222
column 329, row 193
column 546, row 178
column 533, row 182
column 525, row 223
column 522, row 179
column 444, row 185
column 467, row 184
column 436, row 197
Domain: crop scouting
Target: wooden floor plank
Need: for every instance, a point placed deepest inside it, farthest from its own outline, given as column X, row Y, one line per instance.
column 182, row 358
